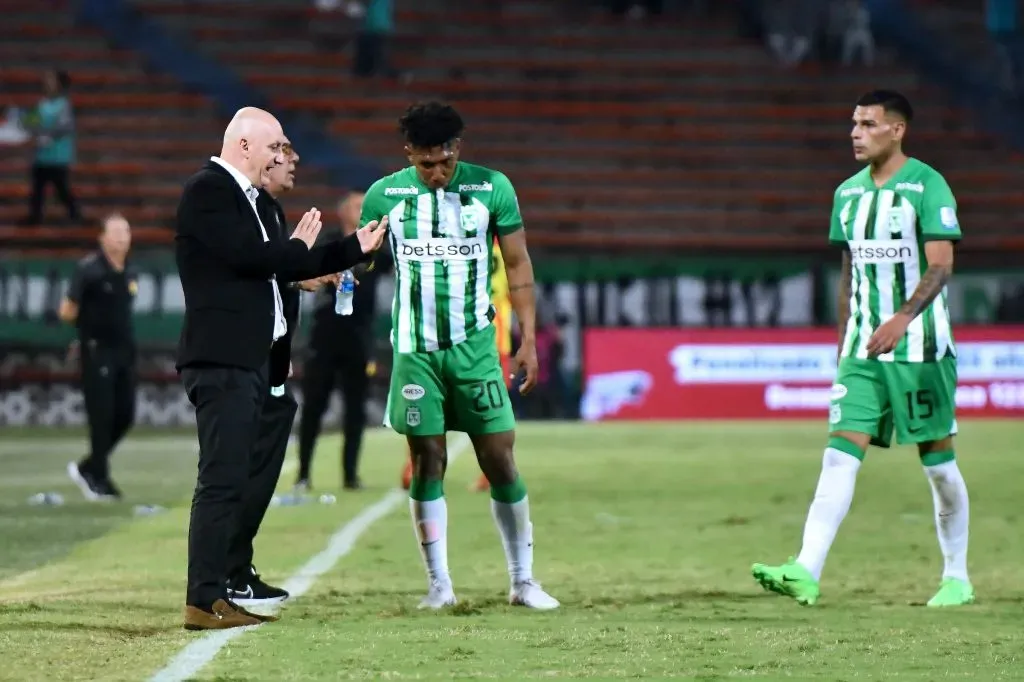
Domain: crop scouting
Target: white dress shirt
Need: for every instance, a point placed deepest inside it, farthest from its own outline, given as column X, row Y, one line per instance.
column 280, row 324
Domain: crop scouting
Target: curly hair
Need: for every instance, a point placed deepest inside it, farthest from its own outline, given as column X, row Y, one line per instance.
column 430, row 124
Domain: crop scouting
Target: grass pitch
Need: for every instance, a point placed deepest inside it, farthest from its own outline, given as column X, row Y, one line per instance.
column 645, row 533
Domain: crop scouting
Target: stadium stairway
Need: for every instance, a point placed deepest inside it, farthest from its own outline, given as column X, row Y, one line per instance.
column 962, row 24
column 672, row 132
column 668, row 133
column 140, row 132
column 128, row 121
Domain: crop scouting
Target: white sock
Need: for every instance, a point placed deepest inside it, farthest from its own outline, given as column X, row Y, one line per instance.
column 831, row 502
column 952, row 512
column 430, row 523
column 513, row 522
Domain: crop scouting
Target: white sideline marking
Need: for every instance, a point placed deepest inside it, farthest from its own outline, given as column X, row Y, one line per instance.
column 201, row 651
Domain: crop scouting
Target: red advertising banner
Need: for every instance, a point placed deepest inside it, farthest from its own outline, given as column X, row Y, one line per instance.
column 767, row 373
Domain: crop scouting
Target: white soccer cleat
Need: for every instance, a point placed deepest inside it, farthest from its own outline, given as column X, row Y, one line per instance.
column 530, row 594
column 86, row 483
column 440, row 595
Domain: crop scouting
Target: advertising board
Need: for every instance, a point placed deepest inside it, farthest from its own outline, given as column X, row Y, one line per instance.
column 766, row 373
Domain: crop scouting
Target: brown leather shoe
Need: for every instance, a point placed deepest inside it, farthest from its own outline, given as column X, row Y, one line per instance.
column 263, row 618
column 220, row 617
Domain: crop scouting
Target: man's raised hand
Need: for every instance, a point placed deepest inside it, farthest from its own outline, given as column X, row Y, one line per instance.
column 308, row 228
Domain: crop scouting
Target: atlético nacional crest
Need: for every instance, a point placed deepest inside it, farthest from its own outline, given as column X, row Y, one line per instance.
column 895, row 222
column 469, row 219
column 412, row 416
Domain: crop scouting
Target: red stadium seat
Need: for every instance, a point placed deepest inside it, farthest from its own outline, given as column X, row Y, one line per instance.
column 676, row 133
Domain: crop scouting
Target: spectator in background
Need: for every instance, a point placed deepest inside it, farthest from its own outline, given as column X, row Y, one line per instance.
column 340, row 350
column 1001, row 20
column 834, row 31
column 12, row 131
column 858, row 37
column 637, row 10
column 52, row 125
column 332, row 25
column 547, row 400
column 550, row 349
column 1011, row 305
column 372, row 54
column 792, row 28
column 353, row 9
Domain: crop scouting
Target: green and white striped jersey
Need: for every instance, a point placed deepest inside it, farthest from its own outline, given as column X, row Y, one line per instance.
column 441, row 240
column 885, row 230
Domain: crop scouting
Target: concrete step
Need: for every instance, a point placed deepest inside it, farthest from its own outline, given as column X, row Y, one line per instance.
column 13, row 43
column 567, row 35
column 778, row 83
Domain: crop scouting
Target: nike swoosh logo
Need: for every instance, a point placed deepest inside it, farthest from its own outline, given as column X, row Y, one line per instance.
column 243, row 594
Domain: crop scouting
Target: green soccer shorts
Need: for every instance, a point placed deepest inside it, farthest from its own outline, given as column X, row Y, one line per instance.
column 456, row 389
column 916, row 399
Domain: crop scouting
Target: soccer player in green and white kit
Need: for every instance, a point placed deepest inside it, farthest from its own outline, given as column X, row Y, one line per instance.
column 896, row 223
column 444, row 215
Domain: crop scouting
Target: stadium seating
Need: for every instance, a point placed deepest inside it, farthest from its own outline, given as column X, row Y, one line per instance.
column 668, row 133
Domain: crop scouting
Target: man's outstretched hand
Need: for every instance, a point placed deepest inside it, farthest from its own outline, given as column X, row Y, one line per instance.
column 317, row 282
column 371, row 236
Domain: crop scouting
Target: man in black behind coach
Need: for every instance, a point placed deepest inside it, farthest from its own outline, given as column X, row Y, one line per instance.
column 230, row 269
column 340, row 347
column 245, row 587
column 99, row 303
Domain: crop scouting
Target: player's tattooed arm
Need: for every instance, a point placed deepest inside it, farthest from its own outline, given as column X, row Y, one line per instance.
column 940, row 268
column 845, row 292
column 519, row 270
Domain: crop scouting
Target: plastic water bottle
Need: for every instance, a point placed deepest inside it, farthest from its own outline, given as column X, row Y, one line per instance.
column 147, row 509
column 346, row 292
column 289, row 500
column 46, row 499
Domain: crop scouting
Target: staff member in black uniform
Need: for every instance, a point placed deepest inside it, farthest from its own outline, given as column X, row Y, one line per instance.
column 99, row 304
column 340, row 347
column 231, row 274
column 245, row 587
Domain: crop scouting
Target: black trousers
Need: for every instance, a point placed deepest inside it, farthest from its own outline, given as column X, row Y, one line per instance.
column 60, row 178
column 276, row 419
column 652, row 6
column 371, row 56
column 340, row 355
column 229, row 404
column 109, row 386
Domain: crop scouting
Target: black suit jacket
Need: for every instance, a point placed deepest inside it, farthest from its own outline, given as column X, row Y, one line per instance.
column 281, row 354
column 225, row 265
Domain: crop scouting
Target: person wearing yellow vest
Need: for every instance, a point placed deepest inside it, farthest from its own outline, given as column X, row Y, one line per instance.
column 502, row 305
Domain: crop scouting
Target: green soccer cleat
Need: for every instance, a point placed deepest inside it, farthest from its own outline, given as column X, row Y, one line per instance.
column 953, row 592
column 791, row 579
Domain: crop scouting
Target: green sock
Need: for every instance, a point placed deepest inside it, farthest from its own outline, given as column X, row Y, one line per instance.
column 426, row 489
column 935, row 458
column 511, row 493
column 845, row 445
